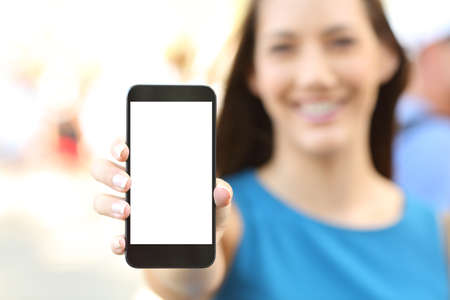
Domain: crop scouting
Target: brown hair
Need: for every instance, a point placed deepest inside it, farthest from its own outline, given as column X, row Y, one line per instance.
column 244, row 130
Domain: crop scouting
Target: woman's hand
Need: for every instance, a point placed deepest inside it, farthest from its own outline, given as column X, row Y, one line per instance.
column 115, row 176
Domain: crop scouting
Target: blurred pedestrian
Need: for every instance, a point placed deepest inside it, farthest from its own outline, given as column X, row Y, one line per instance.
column 422, row 147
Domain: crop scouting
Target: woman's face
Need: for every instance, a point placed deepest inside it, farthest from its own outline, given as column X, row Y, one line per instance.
column 318, row 66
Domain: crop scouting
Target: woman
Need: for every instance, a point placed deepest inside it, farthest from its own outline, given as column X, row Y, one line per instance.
column 304, row 140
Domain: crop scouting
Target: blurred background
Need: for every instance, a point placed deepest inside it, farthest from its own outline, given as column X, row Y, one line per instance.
column 65, row 70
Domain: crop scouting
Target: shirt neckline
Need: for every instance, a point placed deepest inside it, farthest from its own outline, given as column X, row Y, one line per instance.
column 296, row 213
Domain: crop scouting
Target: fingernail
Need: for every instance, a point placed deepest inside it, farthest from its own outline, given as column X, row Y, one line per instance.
column 221, row 193
column 120, row 181
column 118, row 207
column 118, row 150
column 117, row 244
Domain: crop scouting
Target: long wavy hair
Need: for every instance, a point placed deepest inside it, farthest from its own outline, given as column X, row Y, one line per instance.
column 244, row 130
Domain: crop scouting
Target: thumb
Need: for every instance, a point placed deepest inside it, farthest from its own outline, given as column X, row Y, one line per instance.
column 223, row 194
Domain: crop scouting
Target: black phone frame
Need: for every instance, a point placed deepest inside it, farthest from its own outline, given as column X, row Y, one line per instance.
column 171, row 255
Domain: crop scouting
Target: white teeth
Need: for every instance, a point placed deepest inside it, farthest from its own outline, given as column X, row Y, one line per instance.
column 318, row 109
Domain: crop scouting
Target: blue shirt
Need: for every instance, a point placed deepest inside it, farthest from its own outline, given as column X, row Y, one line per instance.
column 422, row 153
column 284, row 254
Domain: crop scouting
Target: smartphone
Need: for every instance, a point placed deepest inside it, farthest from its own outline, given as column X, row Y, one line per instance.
column 171, row 134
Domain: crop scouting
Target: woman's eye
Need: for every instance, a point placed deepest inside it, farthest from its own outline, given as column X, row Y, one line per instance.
column 343, row 42
column 280, row 48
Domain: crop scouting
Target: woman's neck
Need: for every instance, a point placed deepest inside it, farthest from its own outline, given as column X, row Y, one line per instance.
column 343, row 187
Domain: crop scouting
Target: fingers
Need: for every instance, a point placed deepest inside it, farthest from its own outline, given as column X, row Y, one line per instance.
column 115, row 176
column 118, row 244
column 120, row 150
column 111, row 174
column 111, row 206
column 223, row 194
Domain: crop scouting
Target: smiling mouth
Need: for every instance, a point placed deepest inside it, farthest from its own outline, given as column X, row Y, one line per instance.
column 318, row 111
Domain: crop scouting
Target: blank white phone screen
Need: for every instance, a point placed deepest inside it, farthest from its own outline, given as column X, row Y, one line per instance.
column 171, row 172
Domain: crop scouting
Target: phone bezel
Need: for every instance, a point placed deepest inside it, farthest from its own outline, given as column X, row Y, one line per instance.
column 171, row 255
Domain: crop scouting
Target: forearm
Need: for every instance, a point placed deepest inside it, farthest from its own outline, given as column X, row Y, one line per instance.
column 188, row 283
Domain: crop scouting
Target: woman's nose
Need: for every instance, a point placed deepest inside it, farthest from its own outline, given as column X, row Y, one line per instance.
column 313, row 69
